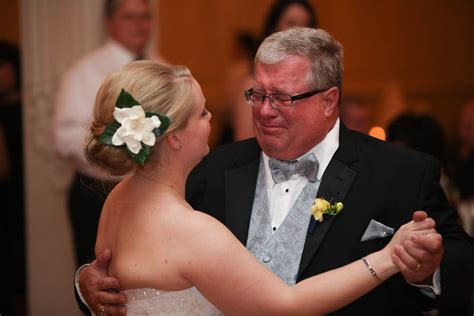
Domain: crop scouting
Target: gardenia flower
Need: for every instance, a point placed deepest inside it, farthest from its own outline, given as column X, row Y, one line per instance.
column 135, row 129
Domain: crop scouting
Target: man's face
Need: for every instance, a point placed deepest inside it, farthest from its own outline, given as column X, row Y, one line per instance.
column 288, row 133
column 131, row 25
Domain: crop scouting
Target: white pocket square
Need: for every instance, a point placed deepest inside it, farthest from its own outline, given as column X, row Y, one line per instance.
column 377, row 230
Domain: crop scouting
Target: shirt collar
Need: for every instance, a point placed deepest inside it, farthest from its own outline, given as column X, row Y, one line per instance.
column 121, row 51
column 323, row 152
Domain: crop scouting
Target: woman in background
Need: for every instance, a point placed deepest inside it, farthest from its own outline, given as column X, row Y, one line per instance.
column 283, row 15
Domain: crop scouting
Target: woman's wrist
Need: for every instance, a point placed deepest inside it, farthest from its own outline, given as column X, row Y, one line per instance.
column 381, row 263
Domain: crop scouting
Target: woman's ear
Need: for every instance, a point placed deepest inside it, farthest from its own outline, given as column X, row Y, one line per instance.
column 174, row 141
column 330, row 101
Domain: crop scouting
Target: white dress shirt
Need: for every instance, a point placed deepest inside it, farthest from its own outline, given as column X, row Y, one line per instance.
column 282, row 196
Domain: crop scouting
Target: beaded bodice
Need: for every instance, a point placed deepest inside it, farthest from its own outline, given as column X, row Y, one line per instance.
column 178, row 303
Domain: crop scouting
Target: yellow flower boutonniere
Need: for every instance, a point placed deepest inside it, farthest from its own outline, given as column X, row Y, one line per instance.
column 321, row 207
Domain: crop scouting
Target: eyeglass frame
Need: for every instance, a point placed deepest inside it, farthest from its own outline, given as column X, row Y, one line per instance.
column 301, row 96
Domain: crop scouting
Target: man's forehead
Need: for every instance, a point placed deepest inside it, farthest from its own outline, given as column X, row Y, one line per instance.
column 281, row 78
column 132, row 6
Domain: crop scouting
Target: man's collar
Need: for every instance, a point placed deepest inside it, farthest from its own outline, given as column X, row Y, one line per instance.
column 323, row 151
column 123, row 52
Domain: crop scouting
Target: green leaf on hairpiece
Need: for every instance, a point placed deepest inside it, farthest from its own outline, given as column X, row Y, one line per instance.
column 165, row 123
column 110, row 129
column 125, row 100
column 142, row 155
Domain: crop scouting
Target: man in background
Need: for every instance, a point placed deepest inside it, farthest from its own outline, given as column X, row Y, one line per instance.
column 128, row 24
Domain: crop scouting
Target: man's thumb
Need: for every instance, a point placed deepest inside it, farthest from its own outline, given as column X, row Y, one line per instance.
column 103, row 260
column 418, row 216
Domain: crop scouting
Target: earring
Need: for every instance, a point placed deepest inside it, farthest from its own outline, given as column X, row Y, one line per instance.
column 180, row 146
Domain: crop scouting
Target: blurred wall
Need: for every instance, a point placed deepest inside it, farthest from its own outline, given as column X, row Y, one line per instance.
column 10, row 21
column 54, row 34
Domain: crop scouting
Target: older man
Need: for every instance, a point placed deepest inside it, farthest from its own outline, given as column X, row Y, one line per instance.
column 128, row 25
column 262, row 189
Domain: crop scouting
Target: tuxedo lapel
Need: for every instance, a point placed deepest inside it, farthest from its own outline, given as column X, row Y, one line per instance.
column 335, row 183
column 240, row 185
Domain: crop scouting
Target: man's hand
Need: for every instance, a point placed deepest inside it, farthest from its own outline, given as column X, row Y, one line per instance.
column 99, row 290
column 418, row 257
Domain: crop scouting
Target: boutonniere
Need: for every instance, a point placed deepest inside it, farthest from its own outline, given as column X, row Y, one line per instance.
column 321, row 206
column 134, row 128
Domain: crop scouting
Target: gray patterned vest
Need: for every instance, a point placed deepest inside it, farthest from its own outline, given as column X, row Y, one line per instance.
column 280, row 251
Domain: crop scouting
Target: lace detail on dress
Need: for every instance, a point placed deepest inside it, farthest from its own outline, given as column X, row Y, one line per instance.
column 178, row 303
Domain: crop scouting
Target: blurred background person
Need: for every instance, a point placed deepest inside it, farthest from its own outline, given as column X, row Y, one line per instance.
column 462, row 168
column 238, row 123
column 11, row 181
column 283, row 14
column 423, row 133
column 463, row 173
column 356, row 115
column 418, row 131
column 128, row 24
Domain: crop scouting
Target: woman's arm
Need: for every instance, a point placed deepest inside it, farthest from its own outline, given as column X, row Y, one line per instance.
column 233, row 280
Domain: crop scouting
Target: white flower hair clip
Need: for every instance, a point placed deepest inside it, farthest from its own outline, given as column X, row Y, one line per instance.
column 134, row 128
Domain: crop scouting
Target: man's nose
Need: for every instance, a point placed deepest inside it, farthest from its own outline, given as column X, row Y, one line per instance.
column 266, row 108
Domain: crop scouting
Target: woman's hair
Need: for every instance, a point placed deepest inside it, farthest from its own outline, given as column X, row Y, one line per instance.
column 279, row 8
column 159, row 88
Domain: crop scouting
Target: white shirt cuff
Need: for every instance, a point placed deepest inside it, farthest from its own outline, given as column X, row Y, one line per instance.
column 78, row 289
column 433, row 289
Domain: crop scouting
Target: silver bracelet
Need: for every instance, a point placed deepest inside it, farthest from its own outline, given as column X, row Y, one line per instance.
column 371, row 270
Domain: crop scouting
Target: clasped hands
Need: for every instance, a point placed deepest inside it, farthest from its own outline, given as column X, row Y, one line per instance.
column 417, row 259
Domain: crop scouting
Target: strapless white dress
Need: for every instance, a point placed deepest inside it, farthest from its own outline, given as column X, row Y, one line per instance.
column 179, row 303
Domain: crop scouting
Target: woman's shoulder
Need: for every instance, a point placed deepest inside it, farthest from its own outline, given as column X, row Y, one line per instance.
column 204, row 235
column 199, row 220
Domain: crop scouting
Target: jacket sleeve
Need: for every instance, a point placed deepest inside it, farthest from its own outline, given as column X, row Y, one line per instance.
column 457, row 265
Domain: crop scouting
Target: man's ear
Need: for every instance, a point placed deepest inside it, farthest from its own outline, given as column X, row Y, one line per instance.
column 330, row 101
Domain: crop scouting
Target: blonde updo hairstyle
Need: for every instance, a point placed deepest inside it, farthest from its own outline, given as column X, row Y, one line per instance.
column 159, row 88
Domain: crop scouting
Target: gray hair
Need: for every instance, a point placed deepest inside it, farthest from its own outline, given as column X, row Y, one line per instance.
column 324, row 53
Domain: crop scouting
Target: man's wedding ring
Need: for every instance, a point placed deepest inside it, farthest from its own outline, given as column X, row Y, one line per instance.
column 418, row 267
column 101, row 310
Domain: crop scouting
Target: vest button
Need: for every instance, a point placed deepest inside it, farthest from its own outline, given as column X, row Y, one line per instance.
column 266, row 259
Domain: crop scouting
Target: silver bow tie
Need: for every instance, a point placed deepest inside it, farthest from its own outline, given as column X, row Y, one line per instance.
column 283, row 170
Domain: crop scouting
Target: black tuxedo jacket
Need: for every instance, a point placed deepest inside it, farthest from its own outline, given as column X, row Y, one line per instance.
column 374, row 180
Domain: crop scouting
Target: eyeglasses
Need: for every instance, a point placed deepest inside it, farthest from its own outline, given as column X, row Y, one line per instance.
column 277, row 101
